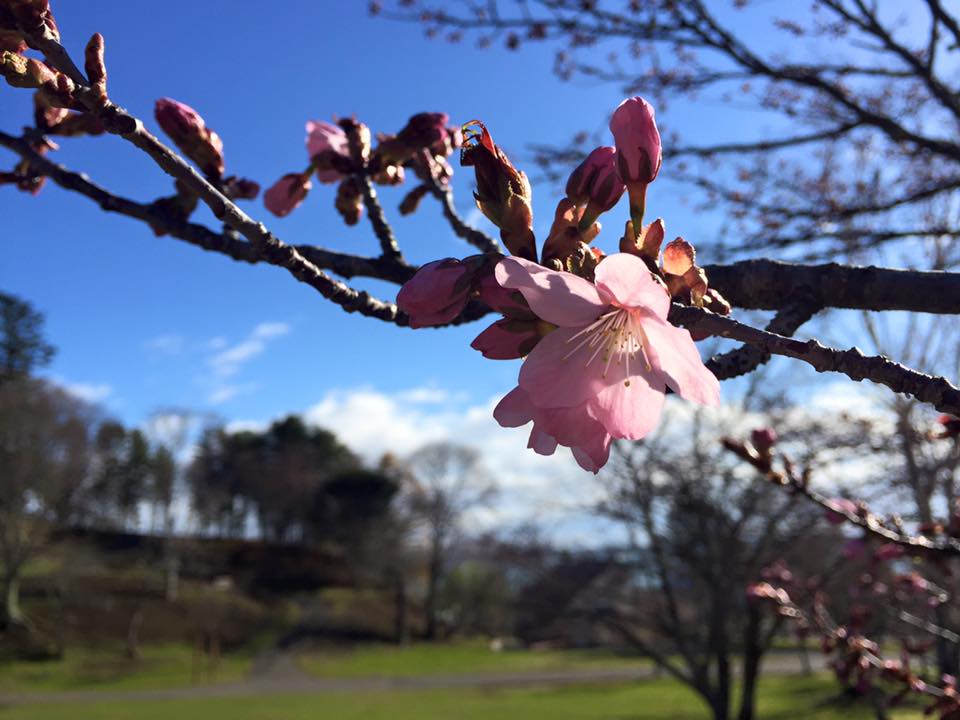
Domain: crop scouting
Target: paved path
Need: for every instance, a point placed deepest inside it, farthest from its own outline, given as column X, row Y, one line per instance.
column 278, row 673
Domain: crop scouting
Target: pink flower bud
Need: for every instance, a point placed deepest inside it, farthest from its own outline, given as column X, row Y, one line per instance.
column 888, row 551
column 287, row 193
column 327, row 147
column 425, row 130
column 190, row 133
column 437, row 293
column 841, row 505
column 596, row 181
column 635, row 131
column 951, row 426
column 763, row 439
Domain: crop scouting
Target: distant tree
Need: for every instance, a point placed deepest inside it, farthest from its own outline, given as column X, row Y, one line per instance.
column 123, row 470
column 702, row 529
column 280, row 475
column 22, row 345
column 46, row 451
column 446, row 481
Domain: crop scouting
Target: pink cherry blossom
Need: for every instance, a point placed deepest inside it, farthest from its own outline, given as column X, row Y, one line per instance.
column 603, row 372
column 634, row 129
column 573, row 427
column 325, row 139
column 286, row 194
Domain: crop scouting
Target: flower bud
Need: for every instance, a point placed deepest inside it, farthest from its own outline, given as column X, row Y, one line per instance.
column 637, row 139
column 683, row 276
column 285, row 195
column 565, row 235
column 190, row 133
column 389, row 175
column 411, row 200
column 328, row 150
column 437, row 293
column 95, row 67
column 12, row 41
column 763, row 439
column 358, row 140
column 422, row 131
column 888, row 551
column 950, row 427
column 34, row 17
column 596, row 184
column 240, row 188
column 503, row 193
column 349, row 202
column 634, row 129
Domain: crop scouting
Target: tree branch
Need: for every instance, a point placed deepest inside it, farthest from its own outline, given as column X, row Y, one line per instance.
column 936, row 391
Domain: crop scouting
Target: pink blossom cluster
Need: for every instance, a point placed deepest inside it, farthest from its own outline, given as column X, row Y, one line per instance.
column 336, row 152
column 599, row 352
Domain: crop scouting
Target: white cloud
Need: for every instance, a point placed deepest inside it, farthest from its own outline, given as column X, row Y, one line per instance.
column 227, row 360
column 552, row 489
column 226, row 392
column 170, row 344
column 89, row 392
column 265, row 331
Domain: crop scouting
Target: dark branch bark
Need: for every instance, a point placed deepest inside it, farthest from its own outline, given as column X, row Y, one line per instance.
column 936, row 391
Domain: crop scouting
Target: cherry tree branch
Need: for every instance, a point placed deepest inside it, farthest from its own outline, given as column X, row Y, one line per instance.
column 936, row 391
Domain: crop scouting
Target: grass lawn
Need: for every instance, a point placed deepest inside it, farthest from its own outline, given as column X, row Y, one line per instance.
column 446, row 659
column 781, row 699
column 107, row 669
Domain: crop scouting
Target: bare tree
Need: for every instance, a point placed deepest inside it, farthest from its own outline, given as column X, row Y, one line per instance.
column 46, row 449
column 446, row 481
column 864, row 96
column 702, row 531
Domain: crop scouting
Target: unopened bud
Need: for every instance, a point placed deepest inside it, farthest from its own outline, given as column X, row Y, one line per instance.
column 11, row 41
column 389, row 175
column 411, row 200
column 422, row 131
column 239, row 188
column 763, row 439
column 190, row 133
column 596, row 184
column 503, row 193
column 34, row 17
column 349, row 202
column 358, row 140
column 285, row 195
column 95, row 67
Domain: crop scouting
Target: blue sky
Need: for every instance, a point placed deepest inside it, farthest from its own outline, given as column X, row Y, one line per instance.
column 145, row 323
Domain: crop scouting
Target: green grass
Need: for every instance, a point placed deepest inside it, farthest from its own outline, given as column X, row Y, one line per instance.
column 107, row 669
column 472, row 656
column 780, row 699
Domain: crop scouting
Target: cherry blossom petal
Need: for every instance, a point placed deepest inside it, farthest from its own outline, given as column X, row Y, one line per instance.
column 514, row 410
column 540, row 442
column 625, row 281
column 560, row 298
column 630, row 411
column 673, row 353
column 558, row 374
column 498, row 342
column 593, row 457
